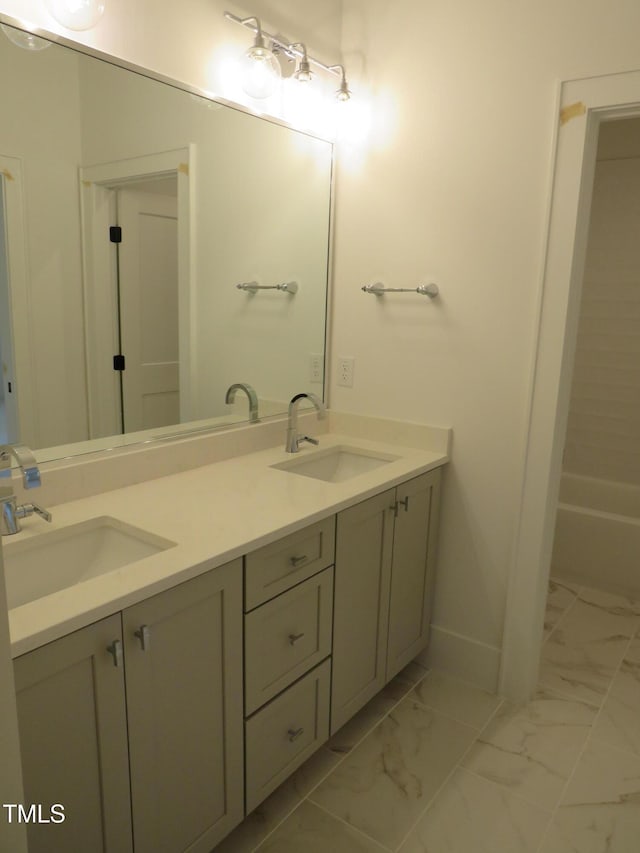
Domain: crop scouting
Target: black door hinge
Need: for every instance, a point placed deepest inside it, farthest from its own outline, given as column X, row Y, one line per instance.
column 115, row 234
column 118, row 362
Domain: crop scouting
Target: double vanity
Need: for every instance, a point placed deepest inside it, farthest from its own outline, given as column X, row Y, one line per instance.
column 182, row 645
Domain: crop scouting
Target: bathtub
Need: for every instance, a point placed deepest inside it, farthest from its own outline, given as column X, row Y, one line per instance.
column 597, row 537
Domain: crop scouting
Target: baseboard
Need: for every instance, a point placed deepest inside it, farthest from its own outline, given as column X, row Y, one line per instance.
column 467, row 659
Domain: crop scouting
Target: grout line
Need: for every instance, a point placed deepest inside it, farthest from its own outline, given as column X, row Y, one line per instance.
column 589, row 738
column 352, row 827
column 453, row 770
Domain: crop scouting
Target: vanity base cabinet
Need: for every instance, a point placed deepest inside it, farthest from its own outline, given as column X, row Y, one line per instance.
column 413, row 569
column 162, row 770
column 362, row 581
column 183, row 652
column 73, row 737
column 385, row 563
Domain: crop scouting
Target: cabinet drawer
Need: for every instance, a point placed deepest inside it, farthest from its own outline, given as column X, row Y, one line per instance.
column 281, row 736
column 286, row 637
column 282, row 564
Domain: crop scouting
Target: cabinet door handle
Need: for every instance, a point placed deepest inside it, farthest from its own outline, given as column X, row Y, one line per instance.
column 293, row 638
column 297, row 561
column 405, row 503
column 115, row 650
column 144, row 635
column 394, row 509
column 294, row 734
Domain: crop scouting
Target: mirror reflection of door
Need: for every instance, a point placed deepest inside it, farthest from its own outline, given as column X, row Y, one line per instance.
column 8, row 408
column 148, row 290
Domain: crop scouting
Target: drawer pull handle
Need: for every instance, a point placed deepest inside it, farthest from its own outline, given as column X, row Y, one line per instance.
column 115, row 650
column 405, row 503
column 144, row 635
column 297, row 561
column 293, row 638
column 294, row 734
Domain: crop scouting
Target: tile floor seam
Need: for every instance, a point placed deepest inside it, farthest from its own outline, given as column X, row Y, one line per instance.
column 562, row 615
column 453, row 770
column 353, row 828
column 456, row 719
column 357, row 743
column 510, row 790
column 582, row 751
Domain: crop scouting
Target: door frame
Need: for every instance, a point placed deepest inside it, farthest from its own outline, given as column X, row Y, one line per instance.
column 18, row 294
column 100, row 277
column 584, row 104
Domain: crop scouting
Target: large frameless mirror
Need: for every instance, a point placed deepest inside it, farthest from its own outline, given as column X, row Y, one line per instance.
column 156, row 248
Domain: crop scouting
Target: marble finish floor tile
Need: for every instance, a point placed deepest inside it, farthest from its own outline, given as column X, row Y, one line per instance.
column 581, row 656
column 384, row 784
column 471, row 815
column 532, row 750
column 310, row 829
column 560, row 597
column 463, row 702
column 344, row 740
column 256, row 826
column 619, row 721
column 600, row 810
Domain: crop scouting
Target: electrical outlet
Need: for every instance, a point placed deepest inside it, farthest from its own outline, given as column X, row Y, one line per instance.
column 316, row 367
column 345, row 372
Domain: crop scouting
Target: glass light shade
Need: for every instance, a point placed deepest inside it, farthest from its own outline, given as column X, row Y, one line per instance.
column 303, row 73
column 27, row 41
column 260, row 72
column 76, row 14
column 343, row 94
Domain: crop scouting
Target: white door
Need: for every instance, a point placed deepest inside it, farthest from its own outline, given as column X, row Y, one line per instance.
column 8, row 406
column 148, row 269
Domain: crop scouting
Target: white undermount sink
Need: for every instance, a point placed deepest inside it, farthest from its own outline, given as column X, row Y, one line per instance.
column 336, row 464
column 60, row 559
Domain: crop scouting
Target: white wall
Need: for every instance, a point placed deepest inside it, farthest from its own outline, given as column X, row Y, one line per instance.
column 458, row 189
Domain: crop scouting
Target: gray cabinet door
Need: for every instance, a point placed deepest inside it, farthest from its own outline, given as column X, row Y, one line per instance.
column 73, row 736
column 364, row 541
column 412, row 572
column 183, row 651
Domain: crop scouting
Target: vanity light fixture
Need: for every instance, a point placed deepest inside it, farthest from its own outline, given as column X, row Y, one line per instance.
column 291, row 51
column 343, row 93
column 303, row 73
column 76, row 14
column 261, row 69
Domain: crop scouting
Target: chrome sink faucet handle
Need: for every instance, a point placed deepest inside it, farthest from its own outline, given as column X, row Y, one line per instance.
column 10, row 511
column 25, row 459
column 251, row 394
column 293, row 439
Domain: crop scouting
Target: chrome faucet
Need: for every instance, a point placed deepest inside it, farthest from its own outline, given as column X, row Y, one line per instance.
column 10, row 510
column 293, row 439
column 251, row 394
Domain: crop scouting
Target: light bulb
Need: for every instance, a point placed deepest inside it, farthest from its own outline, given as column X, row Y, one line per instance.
column 25, row 40
column 76, row 14
column 261, row 72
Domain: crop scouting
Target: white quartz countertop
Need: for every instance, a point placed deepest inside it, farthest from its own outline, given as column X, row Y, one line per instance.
column 214, row 514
